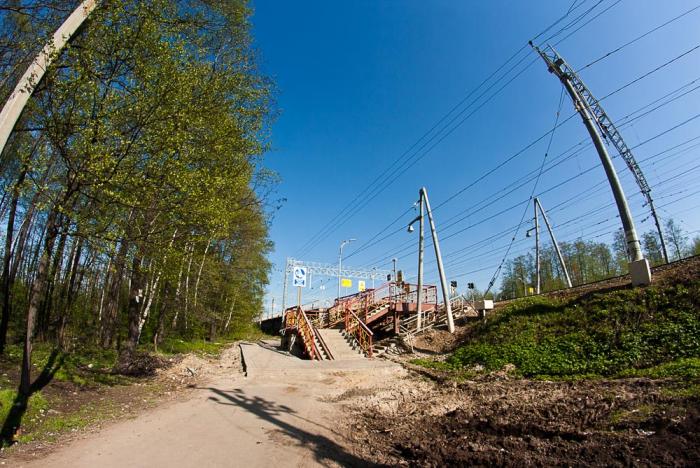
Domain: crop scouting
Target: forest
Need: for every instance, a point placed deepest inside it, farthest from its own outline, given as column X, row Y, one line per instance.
column 135, row 206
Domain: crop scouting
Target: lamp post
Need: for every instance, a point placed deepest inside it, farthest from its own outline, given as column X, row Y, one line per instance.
column 340, row 261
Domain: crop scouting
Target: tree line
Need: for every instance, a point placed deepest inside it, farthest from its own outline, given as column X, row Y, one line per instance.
column 135, row 205
column 589, row 261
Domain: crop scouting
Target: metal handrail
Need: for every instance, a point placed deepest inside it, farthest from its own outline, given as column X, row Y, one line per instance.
column 363, row 335
column 324, row 345
column 297, row 319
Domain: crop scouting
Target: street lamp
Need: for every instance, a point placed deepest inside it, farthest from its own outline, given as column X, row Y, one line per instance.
column 340, row 261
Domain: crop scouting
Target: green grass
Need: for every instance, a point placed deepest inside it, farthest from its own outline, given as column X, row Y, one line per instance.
column 84, row 367
column 200, row 347
column 37, row 404
column 212, row 348
column 687, row 368
column 49, row 427
column 652, row 332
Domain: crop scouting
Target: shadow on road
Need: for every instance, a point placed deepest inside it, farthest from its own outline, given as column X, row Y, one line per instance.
column 19, row 405
column 324, row 448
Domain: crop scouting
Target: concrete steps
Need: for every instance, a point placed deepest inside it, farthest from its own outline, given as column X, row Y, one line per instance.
column 324, row 356
column 341, row 345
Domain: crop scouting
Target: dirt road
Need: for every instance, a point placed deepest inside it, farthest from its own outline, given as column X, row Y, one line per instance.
column 279, row 416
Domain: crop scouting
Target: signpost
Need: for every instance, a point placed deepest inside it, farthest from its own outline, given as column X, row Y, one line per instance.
column 361, row 286
column 299, row 280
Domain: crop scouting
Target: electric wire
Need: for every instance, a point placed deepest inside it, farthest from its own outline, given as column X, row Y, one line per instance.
column 638, row 38
column 334, row 226
column 534, row 188
column 628, row 119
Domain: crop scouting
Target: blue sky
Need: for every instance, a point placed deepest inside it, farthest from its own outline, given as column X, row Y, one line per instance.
column 359, row 82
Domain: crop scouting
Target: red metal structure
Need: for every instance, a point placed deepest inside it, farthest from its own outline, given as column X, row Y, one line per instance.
column 358, row 313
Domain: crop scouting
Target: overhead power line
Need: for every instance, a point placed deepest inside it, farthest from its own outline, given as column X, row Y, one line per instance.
column 347, row 211
column 633, row 116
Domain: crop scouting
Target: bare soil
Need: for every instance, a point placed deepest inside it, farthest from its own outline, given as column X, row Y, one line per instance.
column 502, row 421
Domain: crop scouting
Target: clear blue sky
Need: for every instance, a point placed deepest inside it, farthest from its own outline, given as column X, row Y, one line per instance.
column 359, row 82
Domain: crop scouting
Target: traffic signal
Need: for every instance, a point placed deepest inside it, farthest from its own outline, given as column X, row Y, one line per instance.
column 453, row 284
column 470, row 285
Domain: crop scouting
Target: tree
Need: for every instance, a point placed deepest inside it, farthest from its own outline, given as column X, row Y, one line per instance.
column 620, row 251
column 135, row 197
column 677, row 238
column 652, row 247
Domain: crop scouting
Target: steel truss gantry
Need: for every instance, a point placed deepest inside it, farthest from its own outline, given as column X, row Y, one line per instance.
column 558, row 66
column 329, row 269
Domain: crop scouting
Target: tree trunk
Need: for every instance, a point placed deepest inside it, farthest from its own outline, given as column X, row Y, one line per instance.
column 66, row 299
column 187, row 285
column 178, row 289
column 112, row 306
column 160, row 321
column 6, row 276
column 44, row 313
column 37, row 292
column 135, row 300
column 199, row 275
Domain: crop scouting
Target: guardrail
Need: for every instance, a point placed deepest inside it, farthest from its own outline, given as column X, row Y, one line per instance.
column 363, row 335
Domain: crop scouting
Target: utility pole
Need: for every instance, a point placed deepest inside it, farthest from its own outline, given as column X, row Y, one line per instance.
column 590, row 111
column 284, row 288
column 554, row 242
column 443, row 280
column 537, row 246
column 421, row 250
column 272, row 308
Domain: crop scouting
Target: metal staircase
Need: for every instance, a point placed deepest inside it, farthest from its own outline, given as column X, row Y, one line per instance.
column 357, row 314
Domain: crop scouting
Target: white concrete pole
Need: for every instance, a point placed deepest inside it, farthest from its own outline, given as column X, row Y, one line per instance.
column 14, row 106
column 421, row 249
column 443, row 280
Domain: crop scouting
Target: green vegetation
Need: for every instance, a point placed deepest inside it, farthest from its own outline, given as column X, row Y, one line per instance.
column 211, row 348
column 135, row 210
column 87, row 367
column 589, row 261
column 37, row 404
column 653, row 332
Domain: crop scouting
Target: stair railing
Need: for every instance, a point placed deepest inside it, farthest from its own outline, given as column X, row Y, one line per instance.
column 296, row 319
column 325, row 347
column 362, row 334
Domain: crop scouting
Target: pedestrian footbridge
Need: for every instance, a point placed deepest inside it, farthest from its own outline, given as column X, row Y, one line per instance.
column 349, row 328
